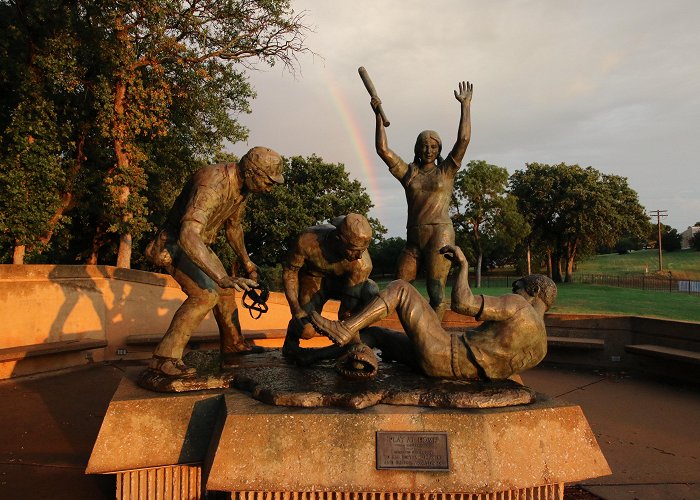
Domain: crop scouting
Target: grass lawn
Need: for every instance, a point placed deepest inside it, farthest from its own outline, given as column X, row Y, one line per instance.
column 580, row 298
column 683, row 264
column 596, row 299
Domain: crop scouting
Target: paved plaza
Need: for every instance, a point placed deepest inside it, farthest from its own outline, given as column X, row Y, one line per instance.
column 648, row 430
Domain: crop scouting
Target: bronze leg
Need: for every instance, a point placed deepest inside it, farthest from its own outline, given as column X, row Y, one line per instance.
column 202, row 296
column 226, row 316
column 407, row 267
column 311, row 298
column 437, row 267
column 432, row 344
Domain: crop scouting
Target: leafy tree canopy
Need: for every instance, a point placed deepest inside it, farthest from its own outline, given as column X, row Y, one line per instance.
column 385, row 254
column 106, row 104
column 314, row 192
column 572, row 210
column 695, row 242
column 670, row 237
column 485, row 215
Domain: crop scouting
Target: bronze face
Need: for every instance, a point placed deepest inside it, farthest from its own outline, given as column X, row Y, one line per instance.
column 429, row 150
column 354, row 236
column 259, row 183
column 352, row 251
column 262, row 169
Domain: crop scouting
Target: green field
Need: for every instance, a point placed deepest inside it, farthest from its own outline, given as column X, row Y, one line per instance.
column 683, row 264
column 596, row 299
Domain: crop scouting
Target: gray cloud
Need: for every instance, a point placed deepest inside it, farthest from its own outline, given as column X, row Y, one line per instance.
column 613, row 85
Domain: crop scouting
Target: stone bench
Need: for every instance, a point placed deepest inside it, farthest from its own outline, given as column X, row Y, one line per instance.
column 662, row 352
column 58, row 347
column 576, row 343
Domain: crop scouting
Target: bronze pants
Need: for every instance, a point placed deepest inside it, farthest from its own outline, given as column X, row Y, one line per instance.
column 203, row 295
column 439, row 353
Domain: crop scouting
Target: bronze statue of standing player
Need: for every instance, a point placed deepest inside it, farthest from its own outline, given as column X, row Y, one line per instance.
column 428, row 182
column 214, row 197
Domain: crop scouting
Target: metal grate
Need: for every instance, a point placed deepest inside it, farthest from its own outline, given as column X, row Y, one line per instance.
column 178, row 482
column 183, row 482
column 546, row 492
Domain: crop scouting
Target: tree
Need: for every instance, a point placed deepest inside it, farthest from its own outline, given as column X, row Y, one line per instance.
column 670, row 238
column 625, row 245
column 484, row 215
column 114, row 95
column 695, row 241
column 43, row 120
column 314, row 192
column 151, row 48
column 385, row 254
column 573, row 210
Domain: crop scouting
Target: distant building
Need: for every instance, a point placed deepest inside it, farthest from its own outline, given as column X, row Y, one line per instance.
column 687, row 236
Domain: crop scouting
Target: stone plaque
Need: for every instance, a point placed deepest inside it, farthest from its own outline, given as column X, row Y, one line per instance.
column 420, row 451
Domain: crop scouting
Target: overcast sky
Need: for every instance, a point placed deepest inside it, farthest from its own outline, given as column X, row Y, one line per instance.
column 610, row 84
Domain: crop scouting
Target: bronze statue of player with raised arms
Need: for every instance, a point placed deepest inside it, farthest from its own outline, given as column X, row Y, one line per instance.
column 428, row 182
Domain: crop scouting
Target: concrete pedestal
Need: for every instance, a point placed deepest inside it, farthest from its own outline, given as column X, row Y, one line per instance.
column 256, row 451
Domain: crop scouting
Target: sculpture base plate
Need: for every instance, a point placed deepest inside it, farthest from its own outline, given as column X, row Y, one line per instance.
column 209, row 375
column 272, row 379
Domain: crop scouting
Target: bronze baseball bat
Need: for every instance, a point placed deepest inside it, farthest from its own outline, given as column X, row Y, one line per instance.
column 372, row 92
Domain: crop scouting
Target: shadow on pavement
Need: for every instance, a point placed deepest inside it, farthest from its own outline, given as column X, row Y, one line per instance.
column 48, row 426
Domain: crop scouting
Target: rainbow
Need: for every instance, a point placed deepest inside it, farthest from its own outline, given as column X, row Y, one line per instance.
column 362, row 151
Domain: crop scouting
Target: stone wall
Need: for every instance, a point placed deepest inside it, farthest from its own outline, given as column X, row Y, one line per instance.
column 46, row 304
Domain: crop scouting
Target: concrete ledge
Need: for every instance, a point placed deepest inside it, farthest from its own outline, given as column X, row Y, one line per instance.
column 144, row 429
column 61, row 347
column 41, row 304
column 662, row 352
column 152, row 340
column 575, row 342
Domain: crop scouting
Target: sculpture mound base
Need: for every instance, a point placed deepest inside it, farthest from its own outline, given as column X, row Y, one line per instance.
column 270, row 378
column 225, row 441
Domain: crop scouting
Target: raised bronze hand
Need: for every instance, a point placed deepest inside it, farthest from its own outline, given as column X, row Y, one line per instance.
column 454, row 254
column 465, row 93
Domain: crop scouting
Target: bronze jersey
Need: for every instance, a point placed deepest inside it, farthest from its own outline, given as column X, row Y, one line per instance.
column 428, row 190
column 212, row 197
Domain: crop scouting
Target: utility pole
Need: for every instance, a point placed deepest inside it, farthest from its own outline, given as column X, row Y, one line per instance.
column 659, row 214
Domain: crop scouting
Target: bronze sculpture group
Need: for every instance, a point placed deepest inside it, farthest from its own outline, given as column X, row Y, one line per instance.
column 332, row 261
column 511, row 339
